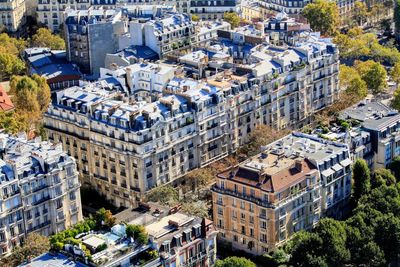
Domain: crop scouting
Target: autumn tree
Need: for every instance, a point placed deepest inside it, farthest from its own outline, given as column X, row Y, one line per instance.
column 11, row 45
column 232, row 18
column 31, row 94
column 374, row 75
column 395, row 102
column 44, row 38
column 260, row 136
column 138, row 233
column 323, row 16
column 33, row 246
column 10, row 65
column 165, row 194
column 199, row 177
column 104, row 217
column 351, row 82
column 360, row 13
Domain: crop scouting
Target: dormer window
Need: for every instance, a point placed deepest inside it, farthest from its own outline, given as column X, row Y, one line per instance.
column 188, row 235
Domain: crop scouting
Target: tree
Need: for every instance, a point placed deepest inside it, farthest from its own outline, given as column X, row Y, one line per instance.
column 387, row 236
column 33, row 246
column 333, row 235
column 31, row 94
column 395, row 73
column 195, row 17
column 351, row 82
column 361, row 179
column 232, row 18
column 382, row 177
column 394, row 166
column 234, row 262
column 374, row 74
column 10, row 65
column 165, row 194
column 360, row 13
column 14, row 122
column 260, row 136
column 104, row 218
column 44, row 38
column 323, row 16
column 199, row 177
column 11, row 45
column 306, row 250
column 138, row 233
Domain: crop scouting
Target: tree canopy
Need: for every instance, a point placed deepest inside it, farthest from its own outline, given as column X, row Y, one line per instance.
column 31, row 94
column 138, row 233
column 232, row 18
column 44, row 38
column 361, row 179
column 33, row 246
column 10, row 65
column 323, row 16
column 234, row 262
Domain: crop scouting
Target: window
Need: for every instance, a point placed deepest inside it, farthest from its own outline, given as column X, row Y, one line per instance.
column 263, row 224
column 220, row 211
column 242, row 205
column 263, row 237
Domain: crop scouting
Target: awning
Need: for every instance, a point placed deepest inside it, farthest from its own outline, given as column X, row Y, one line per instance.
column 345, row 162
column 337, row 167
column 327, row 172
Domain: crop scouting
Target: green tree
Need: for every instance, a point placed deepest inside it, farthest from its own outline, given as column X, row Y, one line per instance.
column 394, row 166
column 382, row 177
column 306, row 250
column 10, row 65
column 44, row 38
column 388, row 236
column 323, row 16
column 104, row 218
column 138, row 233
column 333, row 235
column 234, row 262
column 232, row 18
column 395, row 73
column 361, row 179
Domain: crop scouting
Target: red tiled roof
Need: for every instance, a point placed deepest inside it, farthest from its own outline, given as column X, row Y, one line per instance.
column 5, row 101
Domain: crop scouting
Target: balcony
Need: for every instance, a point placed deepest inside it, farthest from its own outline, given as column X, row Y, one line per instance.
column 255, row 200
column 44, row 224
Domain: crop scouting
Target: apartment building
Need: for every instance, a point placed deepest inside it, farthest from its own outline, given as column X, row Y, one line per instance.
column 51, row 13
column 259, row 204
column 12, row 15
column 85, row 35
column 181, row 6
column 164, row 35
column 382, row 123
column 39, row 190
column 141, row 80
column 155, row 124
column 294, row 82
column 210, row 10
